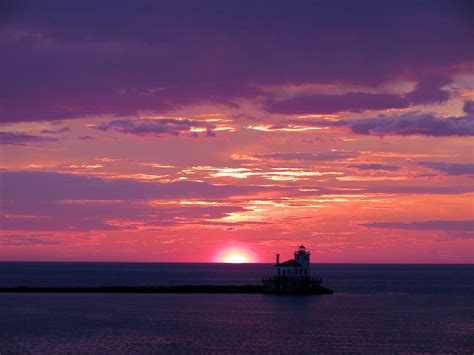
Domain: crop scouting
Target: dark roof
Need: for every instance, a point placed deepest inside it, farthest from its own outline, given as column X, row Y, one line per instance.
column 302, row 246
column 291, row 263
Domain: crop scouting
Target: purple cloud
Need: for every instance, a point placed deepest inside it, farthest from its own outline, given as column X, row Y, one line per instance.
column 456, row 235
column 103, row 215
column 86, row 65
column 390, row 189
column 337, row 155
column 465, row 225
column 426, row 175
column 288, row 124
column 313, row 123
column 145, row 127
column 23, row 139
column 427, row 91
column 42, row 201
column 450, row 168
column 413, row 123
column 326, row 104
column 375, row 167
column 28, row 240
column 55, row 131
column 430, row 190
column 55, row 186
column 468, row 107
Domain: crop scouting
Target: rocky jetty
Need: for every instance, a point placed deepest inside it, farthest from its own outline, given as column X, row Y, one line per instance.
column 153, row 289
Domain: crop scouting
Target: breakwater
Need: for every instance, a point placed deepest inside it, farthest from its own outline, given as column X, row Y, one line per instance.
column 152, row 289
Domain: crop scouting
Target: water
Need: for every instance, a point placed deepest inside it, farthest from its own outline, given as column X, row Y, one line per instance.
column 375, row 309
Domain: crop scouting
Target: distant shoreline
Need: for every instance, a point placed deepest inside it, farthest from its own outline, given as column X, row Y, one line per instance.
column 148, row 289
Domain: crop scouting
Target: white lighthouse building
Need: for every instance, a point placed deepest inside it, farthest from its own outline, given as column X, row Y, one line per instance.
column 297, row 267
column 293, row 276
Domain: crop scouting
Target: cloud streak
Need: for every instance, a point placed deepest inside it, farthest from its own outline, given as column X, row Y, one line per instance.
column 453, row 169
column 300, row 156
column 159, row 127
column 67, row 202
column 382, row 167
column 414, row 123
column 55, row 131
column 405, row 124
column 465, row 225
column 23, row 139
column 427, row 91
column 28, row 240
column 57, row 186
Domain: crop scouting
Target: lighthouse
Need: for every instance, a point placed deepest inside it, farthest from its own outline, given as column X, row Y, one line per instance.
column 293, row 276
column 297, row 267
column 302, row 256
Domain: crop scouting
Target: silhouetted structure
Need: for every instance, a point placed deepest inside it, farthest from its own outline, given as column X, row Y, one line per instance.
column 294, row 276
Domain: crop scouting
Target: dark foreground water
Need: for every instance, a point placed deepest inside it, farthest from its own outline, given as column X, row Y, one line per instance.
column 375, row 309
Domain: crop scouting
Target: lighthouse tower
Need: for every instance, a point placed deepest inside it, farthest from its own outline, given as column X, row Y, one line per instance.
column 293, row 276
column 302, row 256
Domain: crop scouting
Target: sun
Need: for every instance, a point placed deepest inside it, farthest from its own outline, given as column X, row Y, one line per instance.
column 235, row 255
column 235, row 259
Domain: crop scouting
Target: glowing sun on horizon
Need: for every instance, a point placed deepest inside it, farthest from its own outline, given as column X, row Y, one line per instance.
column 235, row 259
column 235, row 256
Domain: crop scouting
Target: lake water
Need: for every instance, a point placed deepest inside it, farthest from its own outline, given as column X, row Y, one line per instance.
column 375, row 309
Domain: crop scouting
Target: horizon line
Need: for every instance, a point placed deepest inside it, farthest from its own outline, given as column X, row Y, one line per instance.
column 224, row 263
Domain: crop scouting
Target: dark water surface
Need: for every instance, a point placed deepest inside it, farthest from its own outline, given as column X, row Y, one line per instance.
column 375, row 309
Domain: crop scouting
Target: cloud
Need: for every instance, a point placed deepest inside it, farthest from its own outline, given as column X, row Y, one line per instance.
column 327, row 104
column 411, row 123
column 23, row 139
column 85, row 138
column 105, row 215
column 41, row 201
column 426, row 175
column 44, row 201
column 311, row 190
column 17, row 186
column 217, row 53
column 149, row 127
column 468, row 107
column 465, row 235
column 465, row 225
column 28, row 240
column 314, row 123
column 427, row 91
column 323, row 156
column 453, row 169
column 298, row 125
column 55, row 131
column 414, row 123
column 375, row 167
column 429, row 190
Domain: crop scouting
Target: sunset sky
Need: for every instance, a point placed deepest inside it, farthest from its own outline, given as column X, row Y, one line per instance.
column 207, row 131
